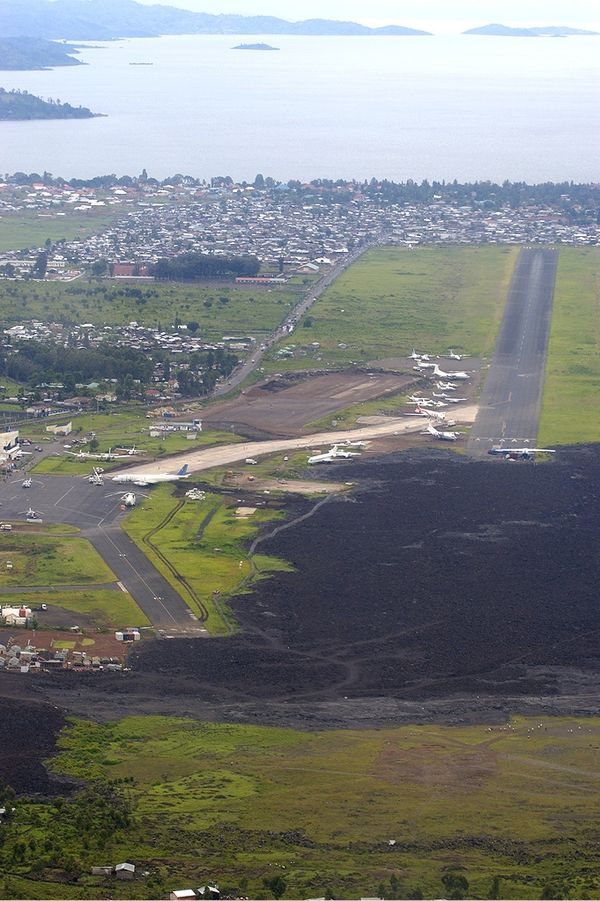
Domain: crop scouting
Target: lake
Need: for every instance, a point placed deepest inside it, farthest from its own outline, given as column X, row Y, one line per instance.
column 423, row 107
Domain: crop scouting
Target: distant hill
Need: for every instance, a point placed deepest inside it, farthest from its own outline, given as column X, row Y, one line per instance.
column 109, row 19
column 34, row 53
column 20, row 105
column 555, row 31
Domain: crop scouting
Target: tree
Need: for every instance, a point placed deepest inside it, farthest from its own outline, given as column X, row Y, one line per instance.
column 41, row 264
column 456, row 886
column 99, row 268
column 276, row 885
column 193, row 327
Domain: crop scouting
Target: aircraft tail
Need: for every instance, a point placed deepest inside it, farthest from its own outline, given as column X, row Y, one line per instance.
column 183, row 471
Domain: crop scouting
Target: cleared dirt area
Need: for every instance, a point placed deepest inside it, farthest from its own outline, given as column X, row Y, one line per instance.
column 283, row 406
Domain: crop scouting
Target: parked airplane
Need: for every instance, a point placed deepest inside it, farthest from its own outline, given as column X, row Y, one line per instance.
column 415, row 356
column 423, row 401
column 446, row 386
column 453, row 356
column 129, row 499
column 26, row 483
column 152, row 478
column 448, row 399
column 450, row 375
column 442, row 436
column 31, row 515
column 108, row 457
column 419, row 411
column 336, row 453
column 519, row 453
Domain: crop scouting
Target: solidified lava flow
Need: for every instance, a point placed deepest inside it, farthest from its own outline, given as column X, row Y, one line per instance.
column 440, row 575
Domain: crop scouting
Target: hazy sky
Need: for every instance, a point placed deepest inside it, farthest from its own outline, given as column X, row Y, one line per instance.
column 508, row 11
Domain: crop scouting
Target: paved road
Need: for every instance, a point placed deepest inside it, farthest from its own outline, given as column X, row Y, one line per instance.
column 288, row 325
column 96, row 511
column 210, row 457
column 510, row 403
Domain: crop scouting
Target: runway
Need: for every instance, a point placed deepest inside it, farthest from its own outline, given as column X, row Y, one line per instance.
column 510, row 403
column 96, row 511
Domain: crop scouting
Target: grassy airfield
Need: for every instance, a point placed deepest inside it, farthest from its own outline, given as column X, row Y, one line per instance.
column 393, row 299
column 199, row 547
column 393, row 812
column 571, row 402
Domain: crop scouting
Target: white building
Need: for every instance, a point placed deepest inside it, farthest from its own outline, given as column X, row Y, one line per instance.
column 9, row 446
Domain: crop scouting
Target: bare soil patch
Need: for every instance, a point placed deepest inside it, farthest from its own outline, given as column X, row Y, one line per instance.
column 283, row 406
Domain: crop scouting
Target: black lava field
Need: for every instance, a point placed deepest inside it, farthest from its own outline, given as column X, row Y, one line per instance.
column 441, row 576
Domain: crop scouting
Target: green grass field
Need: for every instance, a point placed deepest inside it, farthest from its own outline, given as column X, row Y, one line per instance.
column 50, row 561
column 220, row 309
column 204, row 543
column 112, row 430
column 106, row 609
column 30, row 230
column 393, row 299
column 347, row 814
column 571, row 402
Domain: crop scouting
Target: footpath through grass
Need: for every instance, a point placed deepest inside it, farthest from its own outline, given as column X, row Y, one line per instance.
column 203, row 542
column 396, row 813
column 571, row 402
column 393, row 299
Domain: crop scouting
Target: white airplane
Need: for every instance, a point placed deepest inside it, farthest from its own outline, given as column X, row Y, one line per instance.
column 421, row 366
column 524, row 453
column 415, row 356
column 448, row 399
column 461, row 376
column 96, row 476
column 31, row 515
column 336, row 453
column 423, row 401
column 108, row 457
column 26, row 483
column 453, row 356
column 438, row 417
column 129, row 498
column 442, row 436
column 446, row 386
column 152, row 478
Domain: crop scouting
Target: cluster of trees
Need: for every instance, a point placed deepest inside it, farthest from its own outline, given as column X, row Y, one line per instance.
column 515, row 193
column 191, row 266
column 60, row 834
column 36, row 362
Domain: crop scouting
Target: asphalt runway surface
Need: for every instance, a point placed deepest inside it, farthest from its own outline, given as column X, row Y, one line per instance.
column 96, row 511
column 510, row 403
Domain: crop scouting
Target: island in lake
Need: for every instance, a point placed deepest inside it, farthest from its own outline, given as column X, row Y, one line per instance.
column 254, row 47
column 20, row 106
column 23, row 53
column 505, row 31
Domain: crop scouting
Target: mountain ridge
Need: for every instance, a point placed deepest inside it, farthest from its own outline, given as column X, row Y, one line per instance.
column 495, row 29
column 112, row 19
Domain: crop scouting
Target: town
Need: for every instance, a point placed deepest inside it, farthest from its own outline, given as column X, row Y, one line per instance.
column 288, row 227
